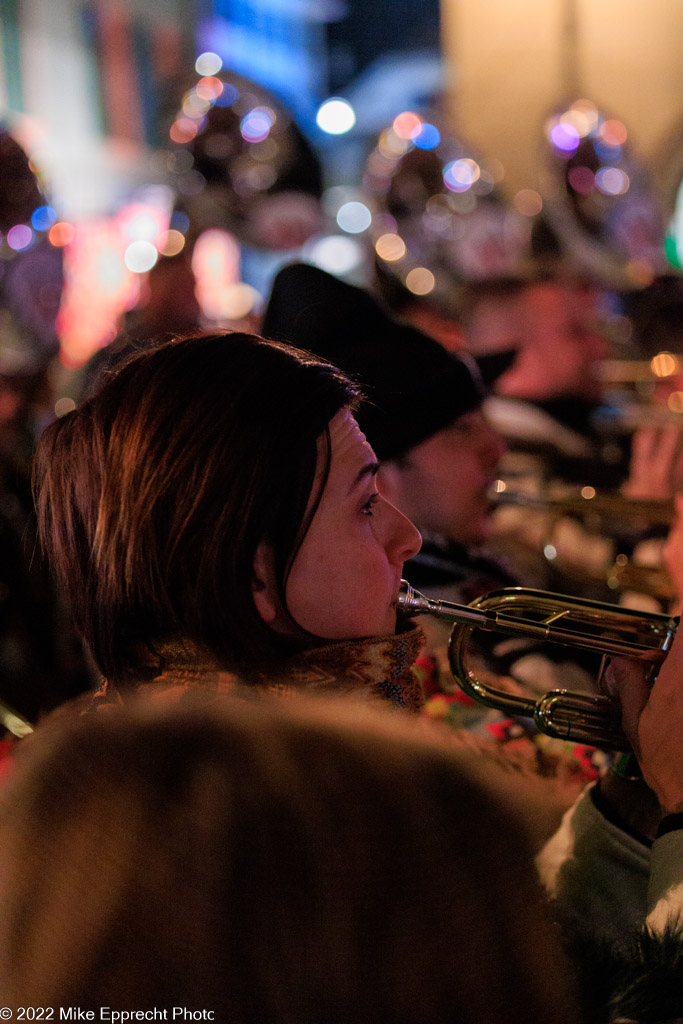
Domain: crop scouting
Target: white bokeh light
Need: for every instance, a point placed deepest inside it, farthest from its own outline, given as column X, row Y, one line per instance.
column 140, row 257
column 336, row 254
column 354, row 217
column 208, row 64
column 335, row 116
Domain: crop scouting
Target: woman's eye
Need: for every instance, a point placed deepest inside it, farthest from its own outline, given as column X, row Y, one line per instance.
column 370, row 504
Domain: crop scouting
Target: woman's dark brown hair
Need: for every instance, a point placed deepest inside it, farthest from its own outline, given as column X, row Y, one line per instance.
column 280, row 863
column 154, row 495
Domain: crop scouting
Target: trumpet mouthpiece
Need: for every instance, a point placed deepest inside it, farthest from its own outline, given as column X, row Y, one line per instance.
column 414, row 603
column 406, row 596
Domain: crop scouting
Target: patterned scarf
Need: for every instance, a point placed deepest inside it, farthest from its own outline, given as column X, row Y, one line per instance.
column 373, row 669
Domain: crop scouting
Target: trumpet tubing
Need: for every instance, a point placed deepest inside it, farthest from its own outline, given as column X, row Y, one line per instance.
column 624, row 419
column 640, row 393
column 661, row 367
column 652, row 580
column 589, row 502
column 554, row 618
column 612, row 510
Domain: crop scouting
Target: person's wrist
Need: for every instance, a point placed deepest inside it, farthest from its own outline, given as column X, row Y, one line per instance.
column 632, row 804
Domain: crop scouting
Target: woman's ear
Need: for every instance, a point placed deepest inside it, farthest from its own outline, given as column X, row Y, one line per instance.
column 263, row 586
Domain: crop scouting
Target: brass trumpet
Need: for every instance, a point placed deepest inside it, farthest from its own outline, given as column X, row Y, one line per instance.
column 586, row 501
column 627, row 372
column 590, row 625
column 617, row 514
column 650, row 580
column 634, row 385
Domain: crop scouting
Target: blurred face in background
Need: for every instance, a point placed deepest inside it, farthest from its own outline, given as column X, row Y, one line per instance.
column 443, row 485
column 561, row 346
column 495, row 325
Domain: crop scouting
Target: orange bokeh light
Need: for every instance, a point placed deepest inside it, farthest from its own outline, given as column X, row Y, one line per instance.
column 61, row 233
column 183, row 130
column 613, row 133
column 406, row 124
column 209, row 88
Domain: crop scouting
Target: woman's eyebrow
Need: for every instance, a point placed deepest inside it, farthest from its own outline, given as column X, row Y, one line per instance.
column 370, row 469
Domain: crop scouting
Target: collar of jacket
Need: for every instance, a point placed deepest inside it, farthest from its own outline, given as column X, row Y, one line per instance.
column 372, row 669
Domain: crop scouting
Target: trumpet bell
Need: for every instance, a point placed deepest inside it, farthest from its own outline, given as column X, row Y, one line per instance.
column 554, row 618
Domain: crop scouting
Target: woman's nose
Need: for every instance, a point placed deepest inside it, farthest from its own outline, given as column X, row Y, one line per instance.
column 403, row 538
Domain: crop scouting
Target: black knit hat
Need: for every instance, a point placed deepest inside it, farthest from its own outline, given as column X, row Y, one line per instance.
column 414, row 386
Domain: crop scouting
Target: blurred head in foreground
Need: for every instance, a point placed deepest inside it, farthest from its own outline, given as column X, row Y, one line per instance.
column 273, row 863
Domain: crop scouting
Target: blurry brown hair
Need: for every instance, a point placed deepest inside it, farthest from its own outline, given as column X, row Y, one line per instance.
column 296, row 863
column 153, row 496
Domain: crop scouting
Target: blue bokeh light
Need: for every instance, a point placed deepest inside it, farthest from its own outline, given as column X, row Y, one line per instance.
column 42, row 218
column 428, row 137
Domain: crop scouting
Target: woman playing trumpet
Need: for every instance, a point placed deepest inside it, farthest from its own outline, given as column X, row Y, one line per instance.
column 212, row 515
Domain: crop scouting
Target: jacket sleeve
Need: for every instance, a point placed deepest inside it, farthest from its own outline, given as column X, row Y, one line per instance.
column 665, row 889
column 598, row 874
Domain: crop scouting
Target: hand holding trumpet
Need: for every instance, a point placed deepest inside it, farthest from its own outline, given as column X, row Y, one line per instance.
column 652, row 718
column 652, row 714
column 673, row 555
column 656, row 468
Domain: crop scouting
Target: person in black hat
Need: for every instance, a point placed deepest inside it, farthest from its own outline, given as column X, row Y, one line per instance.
column 422, row 416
